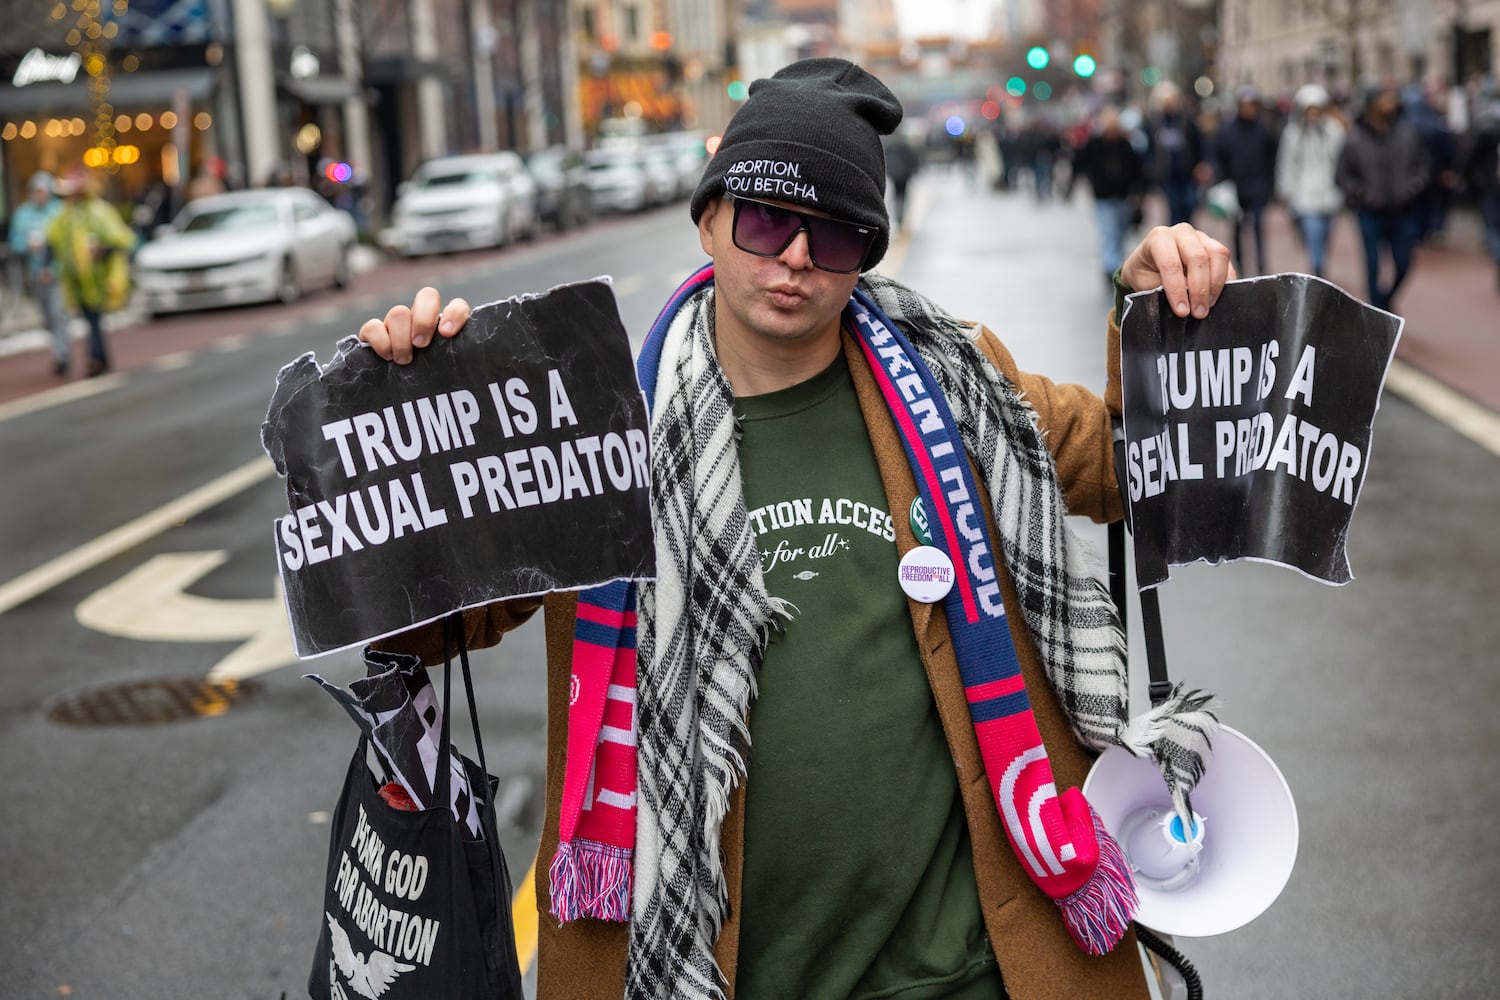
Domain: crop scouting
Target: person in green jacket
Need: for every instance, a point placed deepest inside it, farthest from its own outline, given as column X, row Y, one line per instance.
column 91, row 258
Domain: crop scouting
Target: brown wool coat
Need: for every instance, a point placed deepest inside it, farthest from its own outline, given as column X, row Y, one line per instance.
column 585, row 960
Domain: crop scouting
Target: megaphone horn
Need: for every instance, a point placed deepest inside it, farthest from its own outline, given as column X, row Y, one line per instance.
column 1225, row 868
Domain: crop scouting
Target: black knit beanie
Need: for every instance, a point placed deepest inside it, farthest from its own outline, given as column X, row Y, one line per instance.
column 810, row 135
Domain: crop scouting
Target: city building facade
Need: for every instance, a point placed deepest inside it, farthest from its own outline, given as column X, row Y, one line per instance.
column 1279, row 44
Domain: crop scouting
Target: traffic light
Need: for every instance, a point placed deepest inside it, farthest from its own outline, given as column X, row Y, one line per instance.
column 1037, row 58
column 1085, row 65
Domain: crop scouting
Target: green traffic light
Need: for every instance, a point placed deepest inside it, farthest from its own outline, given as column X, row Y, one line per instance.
column 1085, row 65
column 1015, row 86
column 1036, row 57
column 738, row 90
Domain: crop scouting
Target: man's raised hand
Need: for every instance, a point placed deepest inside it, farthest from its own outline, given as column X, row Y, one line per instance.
column 1190, row 265
column 407, row 328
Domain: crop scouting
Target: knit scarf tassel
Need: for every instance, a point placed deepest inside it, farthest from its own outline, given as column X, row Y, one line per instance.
column 590, row 879
column 590, row 874
column 1099, row 912
column 1058, row 839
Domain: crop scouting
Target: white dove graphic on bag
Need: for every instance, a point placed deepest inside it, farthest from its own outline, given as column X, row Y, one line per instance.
column 368, row 977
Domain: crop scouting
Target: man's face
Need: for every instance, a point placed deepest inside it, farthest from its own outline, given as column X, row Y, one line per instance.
column 40, row 195
column 770, row 303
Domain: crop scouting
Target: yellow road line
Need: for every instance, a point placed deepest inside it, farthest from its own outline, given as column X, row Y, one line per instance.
column 523, row 918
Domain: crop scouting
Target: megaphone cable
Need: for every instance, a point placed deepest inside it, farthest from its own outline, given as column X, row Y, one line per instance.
column 1176, row 959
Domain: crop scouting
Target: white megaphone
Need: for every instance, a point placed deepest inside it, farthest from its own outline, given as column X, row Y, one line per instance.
column 1230, row 865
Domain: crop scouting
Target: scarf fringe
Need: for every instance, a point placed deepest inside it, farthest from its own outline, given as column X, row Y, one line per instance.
column 1098, row 914
column 1186, row 717
column 1193, row 708
column 589, row 879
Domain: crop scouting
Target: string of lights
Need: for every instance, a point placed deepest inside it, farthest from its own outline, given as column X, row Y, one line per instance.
column 90, row 36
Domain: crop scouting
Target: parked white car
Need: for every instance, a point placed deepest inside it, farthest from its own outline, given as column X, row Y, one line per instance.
column 245, row 246
column 661, row 175
column 462, row 202
column 688, row 153
column 617, row 181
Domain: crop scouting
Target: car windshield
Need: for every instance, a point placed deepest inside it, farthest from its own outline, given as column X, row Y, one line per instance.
column 455, row 178
column 231, row 217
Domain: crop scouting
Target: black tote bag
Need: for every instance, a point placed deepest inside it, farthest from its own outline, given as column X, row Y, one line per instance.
column 414, row 908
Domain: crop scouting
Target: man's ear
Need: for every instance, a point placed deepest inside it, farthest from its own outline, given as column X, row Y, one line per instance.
column 706, row 224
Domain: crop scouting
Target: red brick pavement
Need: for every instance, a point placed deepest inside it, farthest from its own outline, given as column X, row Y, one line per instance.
column 133, row 346
column 1449, row 298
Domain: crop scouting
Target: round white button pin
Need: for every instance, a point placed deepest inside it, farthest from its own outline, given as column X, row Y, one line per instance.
column 926, row 574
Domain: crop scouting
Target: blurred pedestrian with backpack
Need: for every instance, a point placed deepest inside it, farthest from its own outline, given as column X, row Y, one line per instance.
column 901, row 165
column 1383, row 170
column 1421, row 106
column 1481, row 172
column 1245, row 153
column 1176, row 160
column 91, row 253
column 28, row 242
column 1113, row 167
column 1306, row 162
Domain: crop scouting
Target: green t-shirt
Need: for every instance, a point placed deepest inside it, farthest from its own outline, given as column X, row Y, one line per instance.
column 859, row 876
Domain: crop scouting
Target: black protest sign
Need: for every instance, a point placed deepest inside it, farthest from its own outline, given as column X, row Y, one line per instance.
column 1248, row 432
column 510, row 460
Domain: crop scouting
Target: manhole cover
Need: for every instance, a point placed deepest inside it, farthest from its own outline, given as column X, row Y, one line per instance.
column 148, row 702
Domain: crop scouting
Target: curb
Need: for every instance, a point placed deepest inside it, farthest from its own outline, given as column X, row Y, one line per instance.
column 20, row 329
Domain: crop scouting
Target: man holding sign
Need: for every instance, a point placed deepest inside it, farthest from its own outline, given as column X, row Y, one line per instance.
column 834, row 748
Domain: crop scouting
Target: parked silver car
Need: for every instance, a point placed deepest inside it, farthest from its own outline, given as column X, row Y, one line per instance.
column 562, row 189
column 462, row 202
column 617, row 181
column 245, row 246
column 688, row 154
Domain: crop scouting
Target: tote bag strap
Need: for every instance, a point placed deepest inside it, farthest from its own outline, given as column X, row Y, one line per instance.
column 453, row 636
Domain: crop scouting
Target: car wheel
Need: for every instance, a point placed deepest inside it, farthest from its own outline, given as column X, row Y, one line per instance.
column 343, row 274
column 289, row 284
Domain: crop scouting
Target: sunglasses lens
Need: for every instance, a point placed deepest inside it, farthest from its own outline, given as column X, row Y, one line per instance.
column 838, row 246
column 767, row 230
column 764, row 230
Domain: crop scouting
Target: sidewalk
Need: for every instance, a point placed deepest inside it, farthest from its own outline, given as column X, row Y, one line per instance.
column 20, row 322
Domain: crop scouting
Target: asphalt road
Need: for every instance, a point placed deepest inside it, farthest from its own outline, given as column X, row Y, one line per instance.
column 184, row 859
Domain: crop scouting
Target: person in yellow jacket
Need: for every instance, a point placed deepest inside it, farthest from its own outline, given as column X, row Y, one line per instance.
column 91, row 247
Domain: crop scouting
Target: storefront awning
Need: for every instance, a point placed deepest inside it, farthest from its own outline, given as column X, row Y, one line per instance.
column 317, row 89
column 147, row 90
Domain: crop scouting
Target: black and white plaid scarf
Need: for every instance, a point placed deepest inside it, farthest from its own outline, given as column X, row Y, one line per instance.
column 704, row 621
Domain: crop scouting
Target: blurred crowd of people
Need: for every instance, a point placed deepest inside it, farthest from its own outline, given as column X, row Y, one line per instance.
column 1395, row 156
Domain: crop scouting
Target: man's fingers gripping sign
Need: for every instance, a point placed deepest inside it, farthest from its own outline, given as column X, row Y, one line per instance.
column 405, row 329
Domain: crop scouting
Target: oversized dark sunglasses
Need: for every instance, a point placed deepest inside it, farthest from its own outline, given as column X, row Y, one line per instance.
column 833, row 244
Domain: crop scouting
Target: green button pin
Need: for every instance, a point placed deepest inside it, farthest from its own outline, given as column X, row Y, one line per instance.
column 919, row 522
